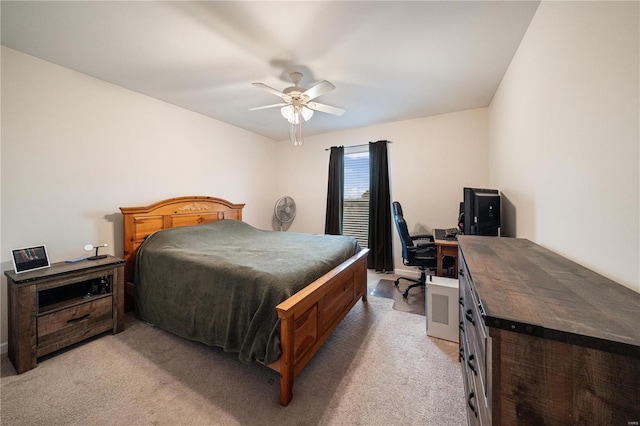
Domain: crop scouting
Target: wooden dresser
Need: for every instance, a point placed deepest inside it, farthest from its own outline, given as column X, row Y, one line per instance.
column 543, row 340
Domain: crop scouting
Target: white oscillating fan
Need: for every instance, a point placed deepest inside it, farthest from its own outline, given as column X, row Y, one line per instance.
column 285, row 210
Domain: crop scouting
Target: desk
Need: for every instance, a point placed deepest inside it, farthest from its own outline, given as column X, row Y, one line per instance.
column 446, row 247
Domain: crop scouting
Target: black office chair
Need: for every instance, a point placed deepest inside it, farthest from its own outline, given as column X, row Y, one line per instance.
column 417, row 250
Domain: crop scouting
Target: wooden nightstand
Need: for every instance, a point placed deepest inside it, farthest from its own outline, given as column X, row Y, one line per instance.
column 52, row 308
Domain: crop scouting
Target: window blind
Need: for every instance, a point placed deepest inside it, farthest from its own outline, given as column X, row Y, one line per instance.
column 356, row 193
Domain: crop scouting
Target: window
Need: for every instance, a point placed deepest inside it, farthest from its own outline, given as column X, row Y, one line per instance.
column 355, row 222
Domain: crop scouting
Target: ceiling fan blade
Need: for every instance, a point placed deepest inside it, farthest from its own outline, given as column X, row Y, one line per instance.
column 325, row 108
column 270, row 89
column 319, row 89
column 269, row 106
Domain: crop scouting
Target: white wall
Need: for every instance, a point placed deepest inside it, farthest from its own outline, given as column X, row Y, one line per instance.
column 565, row 135
column 431, row 160
column 75, row 149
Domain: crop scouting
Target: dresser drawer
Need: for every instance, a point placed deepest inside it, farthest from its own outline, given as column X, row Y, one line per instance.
column 470, row 393
column 474, row 375
column 473, row 351
column 67, row 326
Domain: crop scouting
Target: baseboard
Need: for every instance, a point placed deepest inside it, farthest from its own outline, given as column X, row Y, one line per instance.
column 4, row 348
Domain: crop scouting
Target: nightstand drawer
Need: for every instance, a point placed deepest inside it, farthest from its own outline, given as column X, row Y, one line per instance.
column 67, row 326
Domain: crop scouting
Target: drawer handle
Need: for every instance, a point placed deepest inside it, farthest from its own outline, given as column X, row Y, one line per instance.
column 469, row 316
column 461, row 326
column 481, row 309
column 471, row 366
column 461, row 354
column 472, row 395
column 461, row 301
column 79, row 318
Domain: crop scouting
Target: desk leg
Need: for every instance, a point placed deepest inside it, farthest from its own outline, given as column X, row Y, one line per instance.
column 439, row 261
column 455, row 271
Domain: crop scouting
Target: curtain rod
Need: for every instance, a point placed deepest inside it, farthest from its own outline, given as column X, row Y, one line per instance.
column 354, row 146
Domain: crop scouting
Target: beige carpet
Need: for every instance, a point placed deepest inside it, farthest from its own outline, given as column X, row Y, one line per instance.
column 378, row 368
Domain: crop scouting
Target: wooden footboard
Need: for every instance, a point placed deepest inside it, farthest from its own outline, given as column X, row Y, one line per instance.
column 309, row 317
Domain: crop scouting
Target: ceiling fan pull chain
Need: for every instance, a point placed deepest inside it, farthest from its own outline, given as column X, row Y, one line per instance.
column 295, row 133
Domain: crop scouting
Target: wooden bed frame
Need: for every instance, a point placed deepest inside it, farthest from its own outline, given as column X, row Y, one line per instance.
column 307, row 318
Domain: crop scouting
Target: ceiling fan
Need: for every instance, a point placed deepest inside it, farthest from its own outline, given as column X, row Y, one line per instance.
column 298, row 106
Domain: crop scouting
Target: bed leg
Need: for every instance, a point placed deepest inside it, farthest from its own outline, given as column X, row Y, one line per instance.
column 286, row 360
column 286, row 390
column 361, row 279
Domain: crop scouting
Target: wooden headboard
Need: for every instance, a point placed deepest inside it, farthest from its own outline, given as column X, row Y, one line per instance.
column 139, row 222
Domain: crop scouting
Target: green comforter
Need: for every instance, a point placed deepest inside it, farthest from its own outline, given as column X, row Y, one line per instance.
column 219, row 283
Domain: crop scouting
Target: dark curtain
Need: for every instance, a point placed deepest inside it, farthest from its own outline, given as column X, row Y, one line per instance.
column 380, row 245
column 335, row 192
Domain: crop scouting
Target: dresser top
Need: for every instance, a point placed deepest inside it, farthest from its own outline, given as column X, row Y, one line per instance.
column 61, row 268
column 524, row 286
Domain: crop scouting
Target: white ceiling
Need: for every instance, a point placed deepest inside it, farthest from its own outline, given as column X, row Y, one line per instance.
column 389, row 61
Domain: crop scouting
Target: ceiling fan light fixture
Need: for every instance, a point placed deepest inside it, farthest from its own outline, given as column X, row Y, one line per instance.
column 291, row 113
column 307, row 113
column 287, row 112
column 296, row 115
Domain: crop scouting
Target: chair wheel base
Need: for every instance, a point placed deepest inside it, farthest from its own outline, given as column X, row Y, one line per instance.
column 416, row 283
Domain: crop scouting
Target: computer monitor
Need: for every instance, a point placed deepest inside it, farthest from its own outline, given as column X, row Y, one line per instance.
column 481, row 211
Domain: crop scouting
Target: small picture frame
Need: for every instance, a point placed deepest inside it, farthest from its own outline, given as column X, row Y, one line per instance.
column 29, row 258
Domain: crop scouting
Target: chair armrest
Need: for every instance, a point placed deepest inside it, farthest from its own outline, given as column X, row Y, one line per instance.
column 428, row 252
column 422, row 237
column 422, row 248
column 426, row 244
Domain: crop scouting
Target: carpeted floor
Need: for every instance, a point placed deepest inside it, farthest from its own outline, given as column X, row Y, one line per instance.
column 378, row 368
